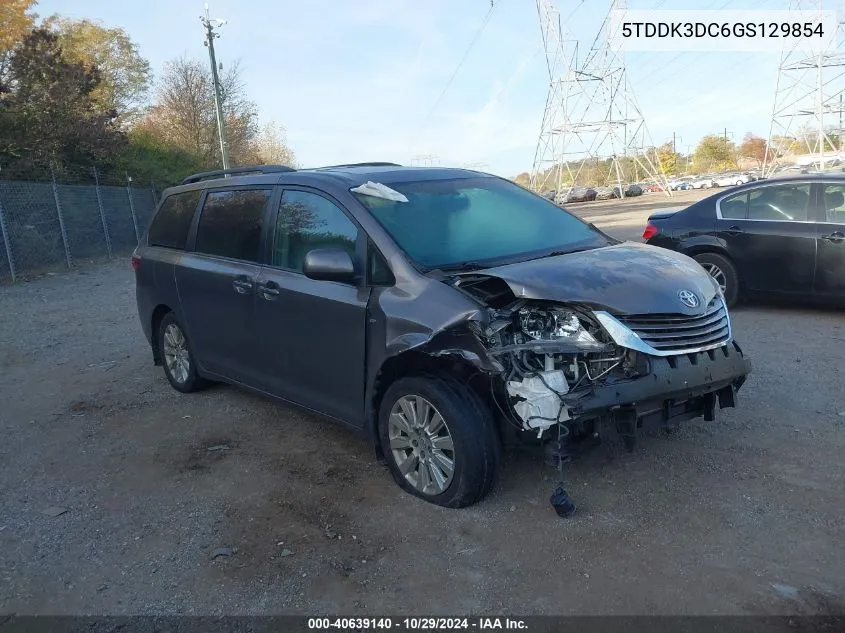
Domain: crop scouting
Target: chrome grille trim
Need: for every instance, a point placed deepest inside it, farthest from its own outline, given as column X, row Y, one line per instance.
column 670, row 334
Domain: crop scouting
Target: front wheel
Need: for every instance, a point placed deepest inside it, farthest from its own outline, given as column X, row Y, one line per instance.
column 723, row 272
column 439, row 440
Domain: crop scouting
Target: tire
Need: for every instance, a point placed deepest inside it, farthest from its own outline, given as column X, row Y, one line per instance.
column 185, row 380
column 712, row 262
column 468, row 426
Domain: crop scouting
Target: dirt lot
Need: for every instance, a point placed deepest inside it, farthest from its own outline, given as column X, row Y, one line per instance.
column 120, row 495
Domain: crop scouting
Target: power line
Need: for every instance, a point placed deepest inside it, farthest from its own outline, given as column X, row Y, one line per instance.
column 468, row 50
column 662, row 68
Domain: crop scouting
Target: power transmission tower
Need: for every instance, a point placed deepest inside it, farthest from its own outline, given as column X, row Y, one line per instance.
column 808, row 98
column 210, row 36
column 592, row 127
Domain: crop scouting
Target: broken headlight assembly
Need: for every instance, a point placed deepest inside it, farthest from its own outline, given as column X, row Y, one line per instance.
column 549, row 351
column 556, row 325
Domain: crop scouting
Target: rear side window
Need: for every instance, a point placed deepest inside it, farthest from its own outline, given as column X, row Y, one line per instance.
column 170, row 225
column 230, row 223
column 735, row 207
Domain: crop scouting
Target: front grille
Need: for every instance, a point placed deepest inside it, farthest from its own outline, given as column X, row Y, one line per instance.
column 681, row 333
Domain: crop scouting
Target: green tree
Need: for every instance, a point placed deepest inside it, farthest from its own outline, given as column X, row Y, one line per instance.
column 149, row 157
column 124, row 75
column 715, row 152
column 47, row 111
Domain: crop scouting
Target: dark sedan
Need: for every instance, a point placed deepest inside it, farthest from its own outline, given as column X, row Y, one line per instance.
column 631, row 191
column 581, row 194
column 782, row 237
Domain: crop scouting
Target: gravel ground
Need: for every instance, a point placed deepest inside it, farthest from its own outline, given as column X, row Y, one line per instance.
column 121, row 496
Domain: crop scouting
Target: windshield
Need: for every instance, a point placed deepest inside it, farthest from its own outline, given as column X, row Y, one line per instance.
column 483, row 221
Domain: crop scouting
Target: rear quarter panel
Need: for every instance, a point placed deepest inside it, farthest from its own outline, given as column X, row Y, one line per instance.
column 689, row 231
column 155, row 285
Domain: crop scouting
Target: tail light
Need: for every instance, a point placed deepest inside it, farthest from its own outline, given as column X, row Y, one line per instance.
column 136, row 263
column 650, row 231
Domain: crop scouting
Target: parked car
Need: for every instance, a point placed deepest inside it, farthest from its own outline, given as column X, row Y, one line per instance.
column 790, row 170
column 729, row 180
column 606, row 193
column 783, row 237
column 550, row 195
column 631, row 191
column 680, row 185
column 442, row 312
column 703, row 182
column 581, row 194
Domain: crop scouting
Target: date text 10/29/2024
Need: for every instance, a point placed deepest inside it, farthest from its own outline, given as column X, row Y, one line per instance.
column 416, row 624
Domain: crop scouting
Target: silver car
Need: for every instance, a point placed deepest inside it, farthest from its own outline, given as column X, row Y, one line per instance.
column 730, row 180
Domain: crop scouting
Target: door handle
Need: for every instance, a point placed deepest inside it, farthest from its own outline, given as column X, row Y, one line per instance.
column 836, row 237
column 733, row 230
column 242, row 286
column 269, row 291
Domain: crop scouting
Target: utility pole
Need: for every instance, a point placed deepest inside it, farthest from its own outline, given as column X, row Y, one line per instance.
column 210, row 36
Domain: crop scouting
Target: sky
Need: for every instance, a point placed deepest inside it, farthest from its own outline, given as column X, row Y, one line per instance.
column 369, row 80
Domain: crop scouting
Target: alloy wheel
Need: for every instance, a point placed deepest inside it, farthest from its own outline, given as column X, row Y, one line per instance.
column 176, row 355
column 421, row 444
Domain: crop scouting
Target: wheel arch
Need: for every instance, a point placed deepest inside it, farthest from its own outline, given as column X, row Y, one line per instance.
column 417, row 362
column 716, row 249
column 160, row 311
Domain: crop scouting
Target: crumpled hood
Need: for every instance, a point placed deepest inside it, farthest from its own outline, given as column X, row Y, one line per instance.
column 627, row 278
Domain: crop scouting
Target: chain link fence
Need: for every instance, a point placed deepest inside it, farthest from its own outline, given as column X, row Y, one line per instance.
column 52, row 215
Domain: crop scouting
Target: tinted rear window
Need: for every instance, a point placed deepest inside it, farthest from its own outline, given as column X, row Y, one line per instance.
column 230, row 224
column 170, row 225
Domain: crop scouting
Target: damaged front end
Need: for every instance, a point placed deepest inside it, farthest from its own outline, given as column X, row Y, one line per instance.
column 572, row 373
column 549, row 352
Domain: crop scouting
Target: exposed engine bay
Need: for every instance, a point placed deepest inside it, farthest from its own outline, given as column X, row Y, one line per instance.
column 550, row 351
column 564, row 372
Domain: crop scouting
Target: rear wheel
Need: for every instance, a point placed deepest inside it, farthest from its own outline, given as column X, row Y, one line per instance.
column 439, row 440
column 723, row 272
column 177, row 359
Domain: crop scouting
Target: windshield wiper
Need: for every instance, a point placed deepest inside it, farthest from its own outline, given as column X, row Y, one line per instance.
column 568, row 251
column 463, row 266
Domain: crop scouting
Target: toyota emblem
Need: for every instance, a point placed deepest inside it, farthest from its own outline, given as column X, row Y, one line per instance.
column 688, row 298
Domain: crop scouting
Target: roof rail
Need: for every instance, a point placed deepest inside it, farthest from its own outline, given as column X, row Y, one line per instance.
column 232, row 171
column 375, row 164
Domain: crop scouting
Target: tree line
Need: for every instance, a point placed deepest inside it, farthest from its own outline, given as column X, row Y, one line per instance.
column 75, row 92
column 714, row 153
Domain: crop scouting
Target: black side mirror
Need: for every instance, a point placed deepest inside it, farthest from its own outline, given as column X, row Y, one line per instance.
column 329, row 264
